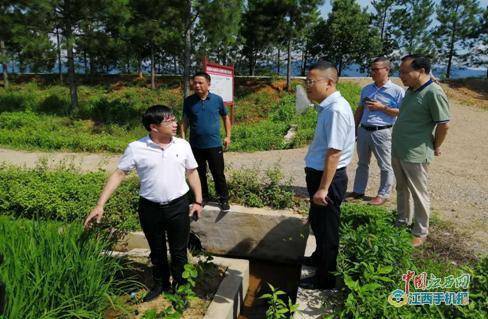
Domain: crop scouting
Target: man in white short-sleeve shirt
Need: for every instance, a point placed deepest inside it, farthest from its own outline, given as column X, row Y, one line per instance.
column 325, row 168
column 163, row 162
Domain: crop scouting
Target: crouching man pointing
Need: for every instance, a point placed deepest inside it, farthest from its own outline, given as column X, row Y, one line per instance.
column 162, row 162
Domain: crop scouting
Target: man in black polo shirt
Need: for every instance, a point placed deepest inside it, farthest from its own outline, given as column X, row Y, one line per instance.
column 202, row 112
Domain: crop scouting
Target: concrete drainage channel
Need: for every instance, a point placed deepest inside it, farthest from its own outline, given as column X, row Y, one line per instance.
column 260, row 246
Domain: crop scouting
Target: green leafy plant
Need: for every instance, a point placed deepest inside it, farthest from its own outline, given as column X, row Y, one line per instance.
column 277, row 308
column 180, row 298
column 373, row 256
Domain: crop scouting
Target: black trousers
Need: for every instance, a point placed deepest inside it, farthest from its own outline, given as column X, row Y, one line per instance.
column 215, row 158
column 325, row 221
column 171, row 221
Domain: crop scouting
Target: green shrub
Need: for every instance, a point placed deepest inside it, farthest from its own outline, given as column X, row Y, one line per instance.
column 65, row 195
column 54, row 270
column 27, row 130
column 373, row 256
column 250, row 187
column 68, row 196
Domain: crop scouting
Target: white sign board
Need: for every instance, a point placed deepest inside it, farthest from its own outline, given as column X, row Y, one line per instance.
column 222, row 83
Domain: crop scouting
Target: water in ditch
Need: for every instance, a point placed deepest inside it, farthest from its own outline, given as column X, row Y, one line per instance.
column 282, row 276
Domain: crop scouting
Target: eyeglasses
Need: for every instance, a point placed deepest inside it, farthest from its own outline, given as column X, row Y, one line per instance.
column 377, row 69
column 311, row 82
column 168, row 122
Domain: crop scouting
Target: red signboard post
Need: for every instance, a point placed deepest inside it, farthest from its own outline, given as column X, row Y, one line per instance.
column 222, row 82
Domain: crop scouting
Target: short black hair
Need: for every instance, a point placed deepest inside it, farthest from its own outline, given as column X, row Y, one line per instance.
column 384, row 60
column 155, row 115
column 202, row 74
column 419, row 61
column 324, row 65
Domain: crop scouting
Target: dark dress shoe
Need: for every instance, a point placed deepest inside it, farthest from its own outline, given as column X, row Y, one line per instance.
column 224, row 206
column 155, row 292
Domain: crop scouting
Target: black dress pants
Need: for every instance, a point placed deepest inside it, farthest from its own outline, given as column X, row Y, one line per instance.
column 171, row 221
column 215, row 158
column 325, row 221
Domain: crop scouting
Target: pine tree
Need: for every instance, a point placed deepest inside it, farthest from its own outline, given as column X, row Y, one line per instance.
column 382, row 20
column 413, row 26
column 459, row 24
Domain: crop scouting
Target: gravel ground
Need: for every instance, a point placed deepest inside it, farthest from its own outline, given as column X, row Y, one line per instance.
column 458, row 178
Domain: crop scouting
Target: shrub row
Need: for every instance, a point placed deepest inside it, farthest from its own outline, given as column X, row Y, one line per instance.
column 68, row 196
column 122, row 106
column 372, row 258
column 32, row 118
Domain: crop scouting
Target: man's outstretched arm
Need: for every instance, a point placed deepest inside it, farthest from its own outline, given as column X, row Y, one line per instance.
column 112, row 184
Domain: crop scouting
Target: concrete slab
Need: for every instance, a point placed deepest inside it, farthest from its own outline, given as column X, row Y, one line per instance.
column 312, row 303
column 260, row 233
column 244, row 232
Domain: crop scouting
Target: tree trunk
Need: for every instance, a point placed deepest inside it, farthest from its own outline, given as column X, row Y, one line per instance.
column 278, row 61
column 186, row 68
column 85, row 62
column 60, row 66
column 288, row 68
column 4, row 64
column 139, row 68
column 153, row 69
column 304, row 62
column 71, row 74
column 451, row 51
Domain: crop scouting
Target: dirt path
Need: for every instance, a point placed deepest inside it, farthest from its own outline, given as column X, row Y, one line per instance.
column 458, row 178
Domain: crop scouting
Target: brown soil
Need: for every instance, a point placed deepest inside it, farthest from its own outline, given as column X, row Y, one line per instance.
column 132, row 308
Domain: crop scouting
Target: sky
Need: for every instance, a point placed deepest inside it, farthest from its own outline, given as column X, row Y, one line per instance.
column 326, row 7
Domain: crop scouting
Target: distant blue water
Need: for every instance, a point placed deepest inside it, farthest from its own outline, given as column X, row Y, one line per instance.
column 353, row 70
column 457, row 72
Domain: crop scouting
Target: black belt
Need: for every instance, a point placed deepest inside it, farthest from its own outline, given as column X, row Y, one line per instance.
column 165, row 204
column 375, row 128
column 309, row 169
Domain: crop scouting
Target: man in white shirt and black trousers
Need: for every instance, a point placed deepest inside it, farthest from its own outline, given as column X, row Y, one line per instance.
column 163, row 162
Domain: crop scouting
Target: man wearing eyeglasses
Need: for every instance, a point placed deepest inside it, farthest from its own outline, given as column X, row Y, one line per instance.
column 374, row 118
column 163, row 162
column 325, row 168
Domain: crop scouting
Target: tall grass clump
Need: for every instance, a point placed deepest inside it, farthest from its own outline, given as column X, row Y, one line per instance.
column 54, row 270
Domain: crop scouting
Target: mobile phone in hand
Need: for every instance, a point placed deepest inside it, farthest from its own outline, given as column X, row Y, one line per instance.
column 194, row 216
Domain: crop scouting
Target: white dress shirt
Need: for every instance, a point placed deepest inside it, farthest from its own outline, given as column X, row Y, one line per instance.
column 162, row 172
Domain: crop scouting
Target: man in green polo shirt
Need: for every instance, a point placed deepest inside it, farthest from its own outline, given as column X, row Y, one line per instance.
column 417, row 137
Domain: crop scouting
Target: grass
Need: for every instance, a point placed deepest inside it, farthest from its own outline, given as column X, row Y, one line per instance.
column 54, row 270
column 35, row 117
